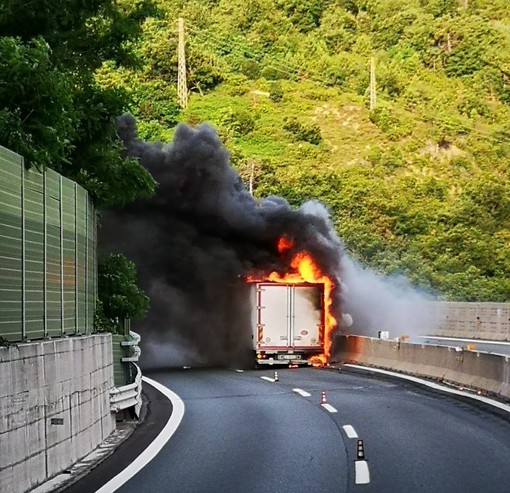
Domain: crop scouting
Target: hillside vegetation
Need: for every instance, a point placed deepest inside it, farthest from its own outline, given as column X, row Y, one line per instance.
column 416, row 186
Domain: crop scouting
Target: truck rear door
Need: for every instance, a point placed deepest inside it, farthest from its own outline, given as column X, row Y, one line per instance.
column 307, row 323
column 273, row 315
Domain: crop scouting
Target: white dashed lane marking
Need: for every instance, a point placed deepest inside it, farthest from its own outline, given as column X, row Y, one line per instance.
column 302, row 392
column 329, row 408
column 362, row 472
column 269, row 379
column 350, row 431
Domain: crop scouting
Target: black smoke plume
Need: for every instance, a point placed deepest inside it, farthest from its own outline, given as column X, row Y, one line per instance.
column 196, row 240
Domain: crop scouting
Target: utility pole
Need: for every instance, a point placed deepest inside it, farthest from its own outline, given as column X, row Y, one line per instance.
column 251, row 177
column 182, row 87
column 373, row 96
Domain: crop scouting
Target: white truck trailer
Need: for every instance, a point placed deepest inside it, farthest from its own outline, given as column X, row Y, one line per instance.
column 288, row 322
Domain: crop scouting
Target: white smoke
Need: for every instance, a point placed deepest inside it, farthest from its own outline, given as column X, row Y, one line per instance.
column 379, row 303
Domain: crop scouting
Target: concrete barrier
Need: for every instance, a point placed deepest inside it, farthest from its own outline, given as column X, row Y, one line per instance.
column 488, row 373
column 54, row 406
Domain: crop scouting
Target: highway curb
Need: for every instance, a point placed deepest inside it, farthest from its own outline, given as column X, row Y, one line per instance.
column 64, row 481
column 156, row 411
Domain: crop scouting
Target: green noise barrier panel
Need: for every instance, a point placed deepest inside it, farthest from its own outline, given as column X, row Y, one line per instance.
column 48, row 270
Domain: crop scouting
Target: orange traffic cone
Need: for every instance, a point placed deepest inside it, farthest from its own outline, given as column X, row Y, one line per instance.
column 276, row 379
column 323, row 398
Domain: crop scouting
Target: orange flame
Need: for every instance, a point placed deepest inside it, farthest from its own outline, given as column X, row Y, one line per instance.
column 284, row 244
column 306, row 270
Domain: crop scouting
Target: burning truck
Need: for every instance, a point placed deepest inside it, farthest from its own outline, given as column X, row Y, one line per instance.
column 217, row 262
column 292, row 321
column 287, row 323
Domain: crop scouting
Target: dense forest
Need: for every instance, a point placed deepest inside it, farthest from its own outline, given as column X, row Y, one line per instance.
column 417, row 185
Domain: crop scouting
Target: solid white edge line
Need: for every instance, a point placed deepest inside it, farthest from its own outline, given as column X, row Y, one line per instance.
column 350, row 431
column 302, row 392
column 269, row 379
column 362, row 472
column 436, row 386
column 329, row 407
column 156, row 445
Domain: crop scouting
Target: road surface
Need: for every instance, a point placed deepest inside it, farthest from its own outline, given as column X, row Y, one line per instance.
column 242, row 432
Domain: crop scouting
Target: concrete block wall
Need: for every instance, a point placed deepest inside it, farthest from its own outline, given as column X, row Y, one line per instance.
column 489, row 321
column 54, row 406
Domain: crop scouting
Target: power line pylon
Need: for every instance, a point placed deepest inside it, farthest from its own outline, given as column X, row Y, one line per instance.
column 182, row 88
column 373, row 97
column 252, row 166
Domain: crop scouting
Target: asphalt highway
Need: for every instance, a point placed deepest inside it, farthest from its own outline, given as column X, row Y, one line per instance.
column 243, row 432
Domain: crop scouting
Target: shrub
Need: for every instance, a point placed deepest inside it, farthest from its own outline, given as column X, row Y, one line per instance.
column 306, row 133
column 276, row 92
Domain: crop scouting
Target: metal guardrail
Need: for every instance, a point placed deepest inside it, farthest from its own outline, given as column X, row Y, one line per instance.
column 125, row 352
column 134, row 350
column 128, row 395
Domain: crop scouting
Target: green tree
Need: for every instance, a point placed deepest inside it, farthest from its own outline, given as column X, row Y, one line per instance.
column 37, row 113
column 304, row 14
column 52, row 111
column 118, row 293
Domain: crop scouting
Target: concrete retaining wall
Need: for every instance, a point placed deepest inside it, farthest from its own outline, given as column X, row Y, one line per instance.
column 54, row 406
column 471, row 320
column 480, row 371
